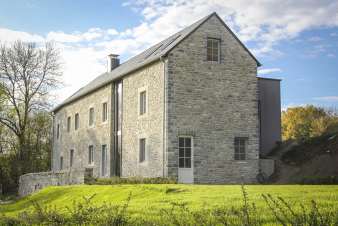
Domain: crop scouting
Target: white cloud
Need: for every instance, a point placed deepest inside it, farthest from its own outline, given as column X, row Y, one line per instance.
column 7, row 35
column 264, row 23
column 327, row 98
column 266, row 71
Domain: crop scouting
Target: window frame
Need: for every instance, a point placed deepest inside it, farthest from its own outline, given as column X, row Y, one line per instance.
column 212, row 60
column 91, row 117
column 58, row 131
column 71, row 158
column 146, row 99
column 145, row 155
column 76, row 121
column 240, row 148
column 69, row 123
column 184, row 152
column 61, row 163
column 91, row 155
column 104, row 111
column 104, row 170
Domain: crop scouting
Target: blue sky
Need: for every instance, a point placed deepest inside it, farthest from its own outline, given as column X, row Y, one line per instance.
column 296, row 41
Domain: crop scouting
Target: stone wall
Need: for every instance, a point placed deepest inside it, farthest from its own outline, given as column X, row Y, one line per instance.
column 267, row 166
column 79, row 140
column 213, row 103
column 32, row 182
column 148, row 126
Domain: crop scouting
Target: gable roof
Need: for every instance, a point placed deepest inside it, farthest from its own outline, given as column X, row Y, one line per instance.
column 146, row 57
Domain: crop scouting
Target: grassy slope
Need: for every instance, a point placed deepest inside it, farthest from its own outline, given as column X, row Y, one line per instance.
column 150, row 198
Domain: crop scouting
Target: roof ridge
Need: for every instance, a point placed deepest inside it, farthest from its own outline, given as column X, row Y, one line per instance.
column 149, row 55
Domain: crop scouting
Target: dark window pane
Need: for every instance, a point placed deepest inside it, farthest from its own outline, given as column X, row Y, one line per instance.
column 188, row 152
column 187, row 162
column 242, row 156
column 181, row 142
column 188, row 142
column 181, row 152
column 181, row 163
column 215, row 44
column 215, row 56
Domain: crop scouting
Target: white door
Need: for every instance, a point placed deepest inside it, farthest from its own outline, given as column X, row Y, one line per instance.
column 185, row 160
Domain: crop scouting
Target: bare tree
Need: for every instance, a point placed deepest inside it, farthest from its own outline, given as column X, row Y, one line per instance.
column 27, row 75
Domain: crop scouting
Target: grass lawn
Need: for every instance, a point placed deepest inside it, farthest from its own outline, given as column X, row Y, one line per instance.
column 147, row 200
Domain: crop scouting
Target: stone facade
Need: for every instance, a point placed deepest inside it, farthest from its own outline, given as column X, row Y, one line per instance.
column 213, row 103
column 186, row 96
column 149, row 126
column 32, row 182
column 79, row 140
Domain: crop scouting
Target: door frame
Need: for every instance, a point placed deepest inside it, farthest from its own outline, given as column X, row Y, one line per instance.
column 191, row 169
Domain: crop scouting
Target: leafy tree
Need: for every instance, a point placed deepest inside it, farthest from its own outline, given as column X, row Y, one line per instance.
column 301, row 123
column 28, row 73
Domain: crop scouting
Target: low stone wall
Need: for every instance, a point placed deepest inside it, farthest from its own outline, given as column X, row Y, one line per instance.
column 267, row 166
column 32, row 182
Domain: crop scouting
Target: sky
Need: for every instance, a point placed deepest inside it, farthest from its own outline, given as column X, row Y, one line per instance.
column 296, row 41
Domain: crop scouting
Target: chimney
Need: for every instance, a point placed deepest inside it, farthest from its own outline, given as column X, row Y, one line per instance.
column 113, row 61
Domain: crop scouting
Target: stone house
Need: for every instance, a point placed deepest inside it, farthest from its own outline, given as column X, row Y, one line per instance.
column 189, row 107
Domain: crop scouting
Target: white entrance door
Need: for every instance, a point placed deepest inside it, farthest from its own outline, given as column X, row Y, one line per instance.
column 185, row 160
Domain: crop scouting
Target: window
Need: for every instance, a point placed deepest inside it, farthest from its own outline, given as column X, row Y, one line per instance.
column 240, row 146
column 142, row 149
column 91, row 116
column 143, row 102
column 76, row 121
column 104, row 112
column 91, row 155
column 104, row 160
column 61, row 163
column 71, row 158
column 58, row 131
column 184, row 155
column 213, row 52
column 68, row 124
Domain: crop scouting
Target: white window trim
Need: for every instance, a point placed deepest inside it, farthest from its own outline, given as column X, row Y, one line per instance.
column 192, row 151
column 140, row 90
column 146, row 154
column 107, row 120
column 93, row 125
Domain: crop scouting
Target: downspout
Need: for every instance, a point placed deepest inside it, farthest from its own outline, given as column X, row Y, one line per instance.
column 162, row 59
column 52, row 161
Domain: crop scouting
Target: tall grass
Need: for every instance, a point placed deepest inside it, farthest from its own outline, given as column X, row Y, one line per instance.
column 86, row 212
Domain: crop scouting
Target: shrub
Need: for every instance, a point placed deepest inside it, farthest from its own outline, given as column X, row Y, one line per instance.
column 320, row 180
column 129, row 180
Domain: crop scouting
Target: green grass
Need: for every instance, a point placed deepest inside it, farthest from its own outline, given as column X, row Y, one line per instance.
column 148, row 200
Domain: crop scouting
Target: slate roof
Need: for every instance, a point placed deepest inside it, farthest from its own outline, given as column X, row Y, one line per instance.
column 148, row 56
